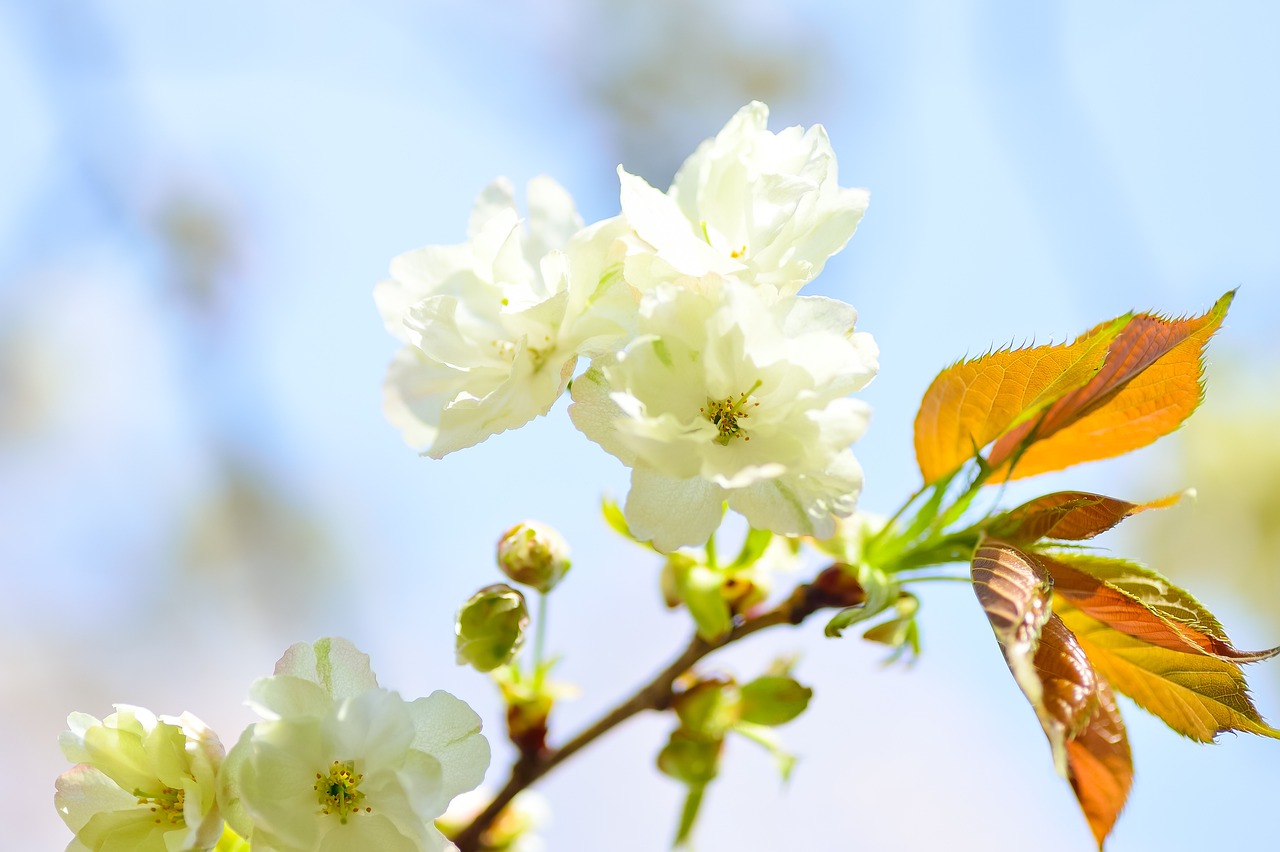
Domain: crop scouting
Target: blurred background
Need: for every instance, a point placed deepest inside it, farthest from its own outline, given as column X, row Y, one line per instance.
column 196, row 200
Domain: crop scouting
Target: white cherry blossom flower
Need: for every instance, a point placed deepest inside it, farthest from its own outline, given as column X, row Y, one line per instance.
column 727, row 396
column 494, row 326
column 142, row 782
column 763, row 207
column 339, row 763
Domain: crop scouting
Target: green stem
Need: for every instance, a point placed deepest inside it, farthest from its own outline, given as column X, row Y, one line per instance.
column 539, row 642
column 879, row 534
column 689, row 813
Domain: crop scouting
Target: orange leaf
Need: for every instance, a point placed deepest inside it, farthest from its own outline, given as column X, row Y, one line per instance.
column 1075, row 706
column 1149, row 383
column 973, row 402
column 1068, row 516
column 1199, row 696
column 1141, row 603
column 1101, row 765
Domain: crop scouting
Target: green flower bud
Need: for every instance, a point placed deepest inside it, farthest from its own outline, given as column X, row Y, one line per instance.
column 773, row 700
column 690, row 758
column 708, row 707
column 534, row 554
column 490, row 627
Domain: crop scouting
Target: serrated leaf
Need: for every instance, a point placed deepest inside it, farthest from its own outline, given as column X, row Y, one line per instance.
column 1100, row 765
column 1015, row 592
column 1067, row 516
column 1149, row 383
column 1196, row 695
column 974, row 402
column 1141, row 603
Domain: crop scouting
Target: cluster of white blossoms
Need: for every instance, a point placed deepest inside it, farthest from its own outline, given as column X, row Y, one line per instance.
column 337, row 763
column 709, row 376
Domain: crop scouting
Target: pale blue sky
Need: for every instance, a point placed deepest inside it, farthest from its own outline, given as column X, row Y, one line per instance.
column 1034, row 168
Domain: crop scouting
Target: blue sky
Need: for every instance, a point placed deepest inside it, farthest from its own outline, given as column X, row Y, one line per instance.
column 1034, row 168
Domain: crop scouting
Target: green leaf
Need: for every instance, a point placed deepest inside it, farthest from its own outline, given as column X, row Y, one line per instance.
column 768, row 738
column 614, row 517
column 699, row 588
column 771, row 700
column 901, row 633
column 753, row 547
column 881, row 591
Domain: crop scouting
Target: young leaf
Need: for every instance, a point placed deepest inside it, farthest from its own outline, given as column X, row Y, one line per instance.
column 1015, row 592
column 1100, row 765
column 974, row 402
column 1197, row 695
column 1076, row 708
column 878, row 591
column 1149, row 383
column 1141, row 603
column 1067, row 516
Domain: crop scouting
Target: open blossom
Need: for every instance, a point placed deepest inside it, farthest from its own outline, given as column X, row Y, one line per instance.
column 494, row 326
column 763, row 207
column 339, row 763
column 726, row 396
column 142, row 782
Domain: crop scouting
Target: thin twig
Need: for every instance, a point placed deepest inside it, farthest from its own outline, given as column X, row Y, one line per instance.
column 654, row 695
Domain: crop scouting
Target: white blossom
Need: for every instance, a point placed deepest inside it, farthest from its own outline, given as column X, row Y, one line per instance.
column 726, row 396
column 759, row 206
column 339, row 763
column 141, row 782
column 494, row 326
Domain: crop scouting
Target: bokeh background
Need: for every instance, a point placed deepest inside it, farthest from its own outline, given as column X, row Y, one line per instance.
column 196, row 199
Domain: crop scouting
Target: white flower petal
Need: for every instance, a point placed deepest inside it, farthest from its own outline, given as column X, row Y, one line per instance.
column 449, row 730
column 333, row 663
column 671, row 512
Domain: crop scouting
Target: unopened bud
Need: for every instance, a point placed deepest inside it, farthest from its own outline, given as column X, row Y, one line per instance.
column 534, row 554
column 490, row 627
column 773, row 700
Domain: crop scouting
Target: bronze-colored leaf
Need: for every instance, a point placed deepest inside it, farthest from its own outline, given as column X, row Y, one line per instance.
column 1199, row 696
column 1100, row 765
column 1069, row 683
column 1068, row 516
column 1074, row 704
column 1016, row 592
column 1142, row 604
column 1149, row 383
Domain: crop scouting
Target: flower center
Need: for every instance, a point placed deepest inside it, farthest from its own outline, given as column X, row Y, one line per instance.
column 167, row 806
column 506, row 350
column 338, row 791
column 726, row 415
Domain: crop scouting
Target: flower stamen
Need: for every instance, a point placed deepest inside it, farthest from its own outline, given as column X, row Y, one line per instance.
column 726, row 413
column 167, row 806
column 339, row 792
